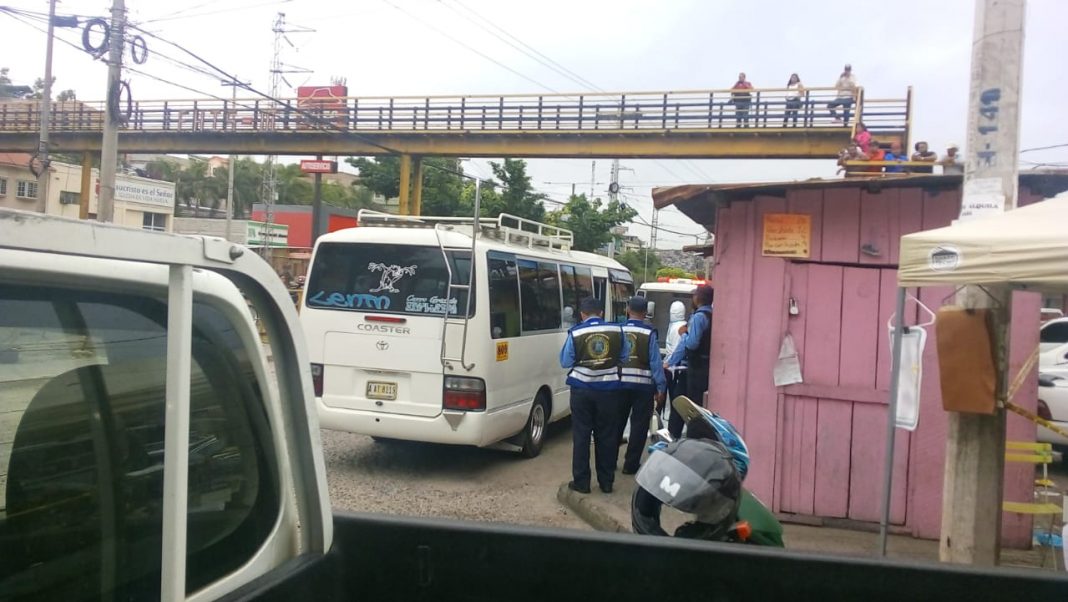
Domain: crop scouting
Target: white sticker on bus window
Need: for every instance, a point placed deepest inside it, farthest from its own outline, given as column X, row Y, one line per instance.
column 391, row 274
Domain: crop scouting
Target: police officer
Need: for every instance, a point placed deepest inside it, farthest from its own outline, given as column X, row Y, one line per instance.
column 642, row 377
column 695, row 345
column 593, row 352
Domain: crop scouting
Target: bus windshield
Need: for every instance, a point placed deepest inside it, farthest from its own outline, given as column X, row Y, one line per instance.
column 387, row 278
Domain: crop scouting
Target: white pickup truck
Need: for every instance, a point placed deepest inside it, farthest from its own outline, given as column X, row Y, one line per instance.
column 149, row 450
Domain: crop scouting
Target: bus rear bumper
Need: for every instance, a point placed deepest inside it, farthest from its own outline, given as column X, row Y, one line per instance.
column 455, row 428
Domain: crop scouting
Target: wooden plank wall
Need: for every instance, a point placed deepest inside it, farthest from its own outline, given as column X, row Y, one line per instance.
column 818, row 448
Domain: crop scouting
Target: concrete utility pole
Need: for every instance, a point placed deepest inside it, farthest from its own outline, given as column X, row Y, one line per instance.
column 44, row 178
column 109, row 147
column 975, row 448
column 230, row 162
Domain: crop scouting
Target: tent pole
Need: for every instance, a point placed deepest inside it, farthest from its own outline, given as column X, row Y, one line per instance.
column 891, row 418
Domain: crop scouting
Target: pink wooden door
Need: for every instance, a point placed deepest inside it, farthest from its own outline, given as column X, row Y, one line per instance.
column 833, row 432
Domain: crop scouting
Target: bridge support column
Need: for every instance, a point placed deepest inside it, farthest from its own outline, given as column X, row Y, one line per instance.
column 405, row 184
column 87, row 183
column 417, row 186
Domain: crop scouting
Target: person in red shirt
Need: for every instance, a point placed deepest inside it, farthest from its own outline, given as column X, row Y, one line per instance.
column 741, row 101
column 875, row 154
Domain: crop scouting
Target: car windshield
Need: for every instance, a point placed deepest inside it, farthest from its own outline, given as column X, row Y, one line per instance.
column 389, row 278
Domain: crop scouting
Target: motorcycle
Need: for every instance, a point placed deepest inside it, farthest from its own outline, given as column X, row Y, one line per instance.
column 701, row 474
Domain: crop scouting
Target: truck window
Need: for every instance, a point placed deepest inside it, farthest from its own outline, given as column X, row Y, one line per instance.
column 82, row 389
column 504, row 296
column 386, row 278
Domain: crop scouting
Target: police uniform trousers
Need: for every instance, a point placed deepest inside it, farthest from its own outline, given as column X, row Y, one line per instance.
column 637, row 404
column 677, row 386
column 594, row 412
column 697, row 379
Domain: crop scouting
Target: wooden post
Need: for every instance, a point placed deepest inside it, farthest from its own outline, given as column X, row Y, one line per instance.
column 405, row 184
column 417, row 186
column 975, row 446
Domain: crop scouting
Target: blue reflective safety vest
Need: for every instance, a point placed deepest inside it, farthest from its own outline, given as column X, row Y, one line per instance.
column 598, row 347
column 636, row 369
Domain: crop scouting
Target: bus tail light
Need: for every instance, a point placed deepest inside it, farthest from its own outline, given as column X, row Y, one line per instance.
column 317, row 379
column 464, row 393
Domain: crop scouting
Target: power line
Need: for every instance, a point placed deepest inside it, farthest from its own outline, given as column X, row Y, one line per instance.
column 1041, row 148
column 177, row 15
column 471, row 48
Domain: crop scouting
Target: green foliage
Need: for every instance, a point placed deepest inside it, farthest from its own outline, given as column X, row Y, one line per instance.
column 673, row 272
column 442, row 188
column 193, row 185
column 516, row 194
column 642, row 265
column 591, row 223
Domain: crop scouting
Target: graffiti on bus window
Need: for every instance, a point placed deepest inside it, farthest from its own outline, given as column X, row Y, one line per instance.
column 350, row 300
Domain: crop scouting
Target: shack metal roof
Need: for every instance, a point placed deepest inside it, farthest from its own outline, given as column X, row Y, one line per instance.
column 699, row 201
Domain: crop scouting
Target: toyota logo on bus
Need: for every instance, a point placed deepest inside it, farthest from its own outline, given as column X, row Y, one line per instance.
column 382, row 345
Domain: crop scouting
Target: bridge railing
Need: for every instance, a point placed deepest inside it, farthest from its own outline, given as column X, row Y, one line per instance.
column 632, row 111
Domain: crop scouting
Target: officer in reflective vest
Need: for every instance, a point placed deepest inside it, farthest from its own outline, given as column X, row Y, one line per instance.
column 593, row 352
column 695, row 345
column 642, row 377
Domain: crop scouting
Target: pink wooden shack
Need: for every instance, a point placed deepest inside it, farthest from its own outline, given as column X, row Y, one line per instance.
column 818, row 447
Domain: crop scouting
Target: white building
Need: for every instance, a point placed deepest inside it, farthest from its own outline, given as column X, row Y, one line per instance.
column 139, row 202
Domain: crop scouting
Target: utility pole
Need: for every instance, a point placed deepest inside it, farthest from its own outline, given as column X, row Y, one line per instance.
column 975, row 446
column 109, row 147
column 593, row 178
column 44, row 178
column 230, row 165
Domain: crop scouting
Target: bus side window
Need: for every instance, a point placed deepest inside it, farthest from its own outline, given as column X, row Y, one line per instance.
column 570, row 290
column 600, row 288
column 504, row 296
column 584, row 282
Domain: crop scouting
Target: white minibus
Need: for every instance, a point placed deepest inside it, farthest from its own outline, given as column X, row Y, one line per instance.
column 398, row 350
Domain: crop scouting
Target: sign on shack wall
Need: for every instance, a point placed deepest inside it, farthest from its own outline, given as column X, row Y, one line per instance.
column 787, row 235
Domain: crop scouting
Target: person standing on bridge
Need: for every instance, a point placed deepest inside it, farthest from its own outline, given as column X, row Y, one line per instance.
column 593, row 352
column 846, row 93
column 741, row 100
column 794, row 90
column 642, row 376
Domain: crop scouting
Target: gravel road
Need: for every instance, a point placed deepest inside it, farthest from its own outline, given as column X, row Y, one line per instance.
column 444, row 481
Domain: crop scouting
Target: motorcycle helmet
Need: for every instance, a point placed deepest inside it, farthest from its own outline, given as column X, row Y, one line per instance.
column 695, row 476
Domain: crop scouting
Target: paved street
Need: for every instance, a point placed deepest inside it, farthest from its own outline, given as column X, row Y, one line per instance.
column 421, row 479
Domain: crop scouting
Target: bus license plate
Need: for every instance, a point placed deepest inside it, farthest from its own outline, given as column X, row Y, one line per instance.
column 381, row 390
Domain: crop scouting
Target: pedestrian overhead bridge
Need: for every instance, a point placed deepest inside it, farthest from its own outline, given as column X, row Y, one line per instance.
column 700, row 124
column 696, row 124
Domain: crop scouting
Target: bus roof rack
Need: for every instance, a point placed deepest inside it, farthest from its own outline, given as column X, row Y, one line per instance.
column 510, row 229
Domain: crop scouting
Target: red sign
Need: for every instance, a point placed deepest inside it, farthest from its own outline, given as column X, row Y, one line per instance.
column 322, row 106
column 316, row 166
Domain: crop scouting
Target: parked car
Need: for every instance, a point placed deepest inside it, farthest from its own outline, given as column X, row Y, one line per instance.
column 1053, row 347
column 1053, row 406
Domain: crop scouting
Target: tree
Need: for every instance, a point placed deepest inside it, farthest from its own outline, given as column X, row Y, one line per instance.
column 636, row 262
column 443, row 187
column 516, row 195
column 673, row 272
column 591, row 224
column 66, row 95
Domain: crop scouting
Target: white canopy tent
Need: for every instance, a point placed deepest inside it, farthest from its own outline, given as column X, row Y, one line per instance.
column 1024, row 249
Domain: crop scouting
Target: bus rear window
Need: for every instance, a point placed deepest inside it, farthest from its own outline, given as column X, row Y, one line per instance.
column 387, row 278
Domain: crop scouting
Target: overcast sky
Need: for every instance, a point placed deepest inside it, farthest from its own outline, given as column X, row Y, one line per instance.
column 403, row 47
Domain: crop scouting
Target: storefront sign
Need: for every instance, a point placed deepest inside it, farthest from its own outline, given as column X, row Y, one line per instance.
column 787, row 235
column 145, row 191
column 261, row 234
column 316, row 166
